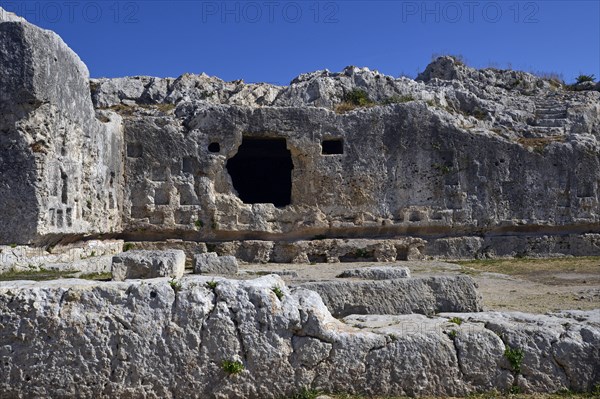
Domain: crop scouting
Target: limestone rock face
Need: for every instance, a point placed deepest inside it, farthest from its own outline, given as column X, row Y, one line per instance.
column 211, row 263
column 60, row 166
column 148, row 264
column 427, row 296
column 488, row 154
column 143, row 338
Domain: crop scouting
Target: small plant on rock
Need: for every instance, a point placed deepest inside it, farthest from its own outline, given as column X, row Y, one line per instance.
column 354, row 99
column 361, row 253
column 393, row 337
column 278, row 292
column 456, row 320
column 212, row 284
column 586, row 78
column 514, row 390
column 232, row 367
column 358, row 97
column 452, row 334
column 514, row 357
column 175, row 285
column 128, row 246
column 306, row 393
column 198, row 223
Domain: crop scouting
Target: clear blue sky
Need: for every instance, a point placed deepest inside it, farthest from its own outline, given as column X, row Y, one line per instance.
column 275, row 40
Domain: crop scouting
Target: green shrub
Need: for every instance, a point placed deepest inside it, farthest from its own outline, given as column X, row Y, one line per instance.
column 452, row 334
column 586, row 78
column 212, row 284
column 278, row 292
column 128, row 246
column 514, row 357
column 198, row 223
column 456, row 320
column 232, row 367
column 358, row 97
column 362, row 253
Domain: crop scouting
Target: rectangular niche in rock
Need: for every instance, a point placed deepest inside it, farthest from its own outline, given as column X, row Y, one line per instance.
column 261, row 171
column 332, row 147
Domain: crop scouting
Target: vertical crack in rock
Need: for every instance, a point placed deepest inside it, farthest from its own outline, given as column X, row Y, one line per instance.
column 240, row 335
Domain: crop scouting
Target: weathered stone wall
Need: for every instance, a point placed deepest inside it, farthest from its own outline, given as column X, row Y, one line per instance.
column 406, row 169
column 150, row 339
column 60, row 167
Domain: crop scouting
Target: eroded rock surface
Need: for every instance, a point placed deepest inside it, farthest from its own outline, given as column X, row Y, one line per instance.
column 61, row 167
column 211, row 263
column 148, row 264
column 377, row 273
column 148, row 339
column 427, row 295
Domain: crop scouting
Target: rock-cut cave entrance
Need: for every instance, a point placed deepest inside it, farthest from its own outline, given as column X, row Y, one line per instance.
column 261, row 171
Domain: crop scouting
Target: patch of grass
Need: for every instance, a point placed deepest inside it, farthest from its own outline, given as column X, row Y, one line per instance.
column 212, row 284
column 232, row 367
column 514, row 357
column 37, row 275
column 97, row 276
column 278, row 292
column 393, row 337
column 13, row 245
column 456, row 320
column 358, row 97
column 585, row 78
column 362, row 253
column 127, row 246
column 540, row 143
column 514, row 390
column 306, row 393
column 452, row 334
column 126, row 110
column 198, row 223
column 175, row 285
column 534, row 266
column 344, row 107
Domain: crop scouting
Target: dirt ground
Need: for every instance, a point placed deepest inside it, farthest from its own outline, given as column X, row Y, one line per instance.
column 528, row 285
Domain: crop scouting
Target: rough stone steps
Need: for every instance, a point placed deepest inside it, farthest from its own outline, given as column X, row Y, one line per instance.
column 550, row 117
column 548, row 122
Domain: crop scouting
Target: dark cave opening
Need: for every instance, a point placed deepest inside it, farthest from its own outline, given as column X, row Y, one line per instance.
column 261, row 171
